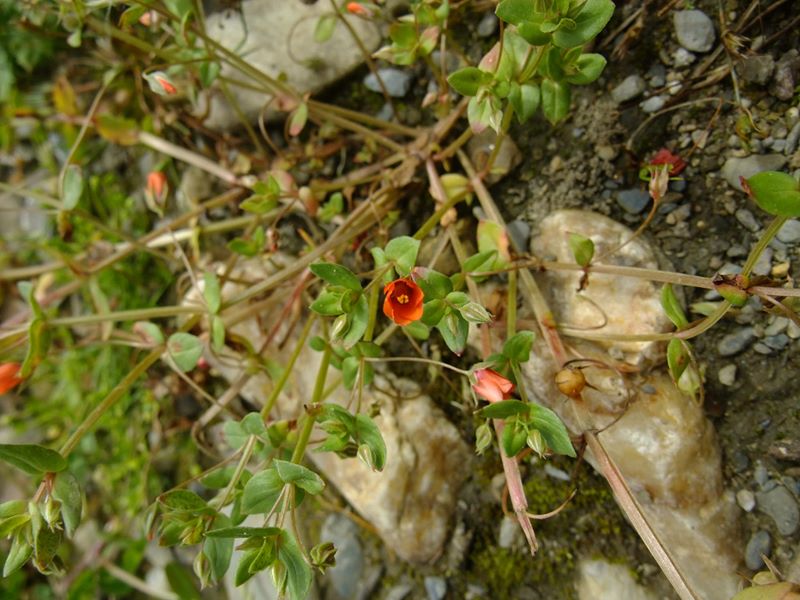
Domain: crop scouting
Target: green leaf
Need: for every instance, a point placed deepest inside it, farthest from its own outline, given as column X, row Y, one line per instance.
column 261, row 492
column 243, row 572
column 18, row 555
column 468, row 81
column 454, row 329
column 588, row 68
column 776, row 193
column 243, row 532
column 677, row 358
column 435, row 285
column 493, row 236
column 593, row 16
column 32, row 459
column 12, row 508
column 403, row 34
column 298, row 572
column 433, row 312
column 185, row 349
column 209, row 71
column 350, row 371
column 482, row 261
column 234, row 434
column 332, row 207
column 253, row 424
column 403, row 252
column 367, row 435
column 552, row 429
column 211, row 292
column 298, row 119
column 358, row 320
column 504, row 409
column 672, row 307
column 67, row 491
column 525, row 100
column 475, row 313
column 518, row 347
column 149, row 332
column 582, row 249
column 534, row 32
column 329, row 303
column 181, row 582
column 514, row 438
column 9, row 525
column 73, row 187
column 45, row 546
column 219, row 549
column 418, row 330
column 323, row 31
column 182, row 500
column 258, row 204
column 784, row 590
column 217, row 333
column 515, row 11
column 218, row 478
column 555, row 100
column 300, row 476
column 336, row 275
column 118, row 130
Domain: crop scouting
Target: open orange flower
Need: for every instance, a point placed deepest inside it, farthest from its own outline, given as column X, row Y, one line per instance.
column 8, row 377
column 403, row 302
column 356, row 8
column 492, row 386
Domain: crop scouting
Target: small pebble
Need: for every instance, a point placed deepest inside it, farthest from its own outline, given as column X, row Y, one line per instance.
column 760, row 543
column 633, row 201
column 735, row 342
column 487, row 25
column 727, row 375
column 792, row 139
column 777, row 342
column 520, row 232
column 628, row 89
column 762, row 348
column 764, row 263
column 399, row 591
column 397, row 81
column 747, row 220
column 556, row 473
column 682, row 58
column 746, row 500
column 760, row 475
column 653, row 104
column 790, row 232
column 509, row 534
column 779, row 504
column 778, row 325
column 739, row 461
column 694, row 30
column 436, row 587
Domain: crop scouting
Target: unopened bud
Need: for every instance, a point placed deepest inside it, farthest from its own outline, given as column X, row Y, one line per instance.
column 570, row 382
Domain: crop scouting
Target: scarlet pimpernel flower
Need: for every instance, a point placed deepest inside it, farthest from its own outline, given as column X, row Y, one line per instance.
column 8, row 377
column 665, row 157
column 403, row 302
column 356, row 8
column 492, row 386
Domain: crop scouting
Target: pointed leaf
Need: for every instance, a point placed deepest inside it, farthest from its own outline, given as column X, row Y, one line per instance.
column 552, row 429
column 32, row 459
column 300, row 476
column 185, row 349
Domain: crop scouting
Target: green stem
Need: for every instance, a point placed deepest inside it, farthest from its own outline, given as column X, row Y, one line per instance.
column 139, row 314
column 434, row 219
column 762, row 243
column 287, row 371
column 247, row 452
column 511, row 308
column 313, row 409
column 374, row 295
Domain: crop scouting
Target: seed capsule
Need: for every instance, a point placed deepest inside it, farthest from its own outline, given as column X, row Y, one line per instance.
column 570, row 382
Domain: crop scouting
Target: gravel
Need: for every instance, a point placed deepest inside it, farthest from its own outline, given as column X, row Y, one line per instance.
column 747, row 220
column 487, row 25
column 653, row 104
column 735, row 342
column 631, row 86
column 436, row 587
column 633, row 200
column 397, row 81
column 779, row 504
column 790, row 232
column 749, row 166
column 760, row 543
column 694, row 29
column 727, row 375
column 746, row 500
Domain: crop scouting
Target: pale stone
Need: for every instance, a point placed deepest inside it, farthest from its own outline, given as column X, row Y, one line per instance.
column 277, row 38
column 623, row 305
column 598, row 580
column 411, row 501
column 480, row 148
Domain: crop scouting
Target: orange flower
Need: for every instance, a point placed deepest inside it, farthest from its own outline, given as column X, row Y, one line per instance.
column 8, row 377
column 166, row 84
column 403, row 302
column 492, row 386
column 157, row 184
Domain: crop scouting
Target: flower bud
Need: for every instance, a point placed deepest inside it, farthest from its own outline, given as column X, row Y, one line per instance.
column 570, row 382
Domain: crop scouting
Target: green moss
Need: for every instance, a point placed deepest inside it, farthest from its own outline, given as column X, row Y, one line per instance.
column 500, row 570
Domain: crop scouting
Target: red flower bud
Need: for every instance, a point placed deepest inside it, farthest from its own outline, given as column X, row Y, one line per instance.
column 492, row 386
column 8, row 376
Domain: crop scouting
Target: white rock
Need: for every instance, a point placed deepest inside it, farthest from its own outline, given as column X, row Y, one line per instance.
column 277, row 38
column 694, row 30
column 626, row 305
column 749, row 166
column 601, row 580
column 480, row 148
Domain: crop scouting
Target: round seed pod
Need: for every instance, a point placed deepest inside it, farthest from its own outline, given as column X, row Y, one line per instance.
column 570, row 382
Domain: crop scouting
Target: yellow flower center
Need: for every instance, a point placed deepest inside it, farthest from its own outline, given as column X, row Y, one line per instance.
column 403, row 298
